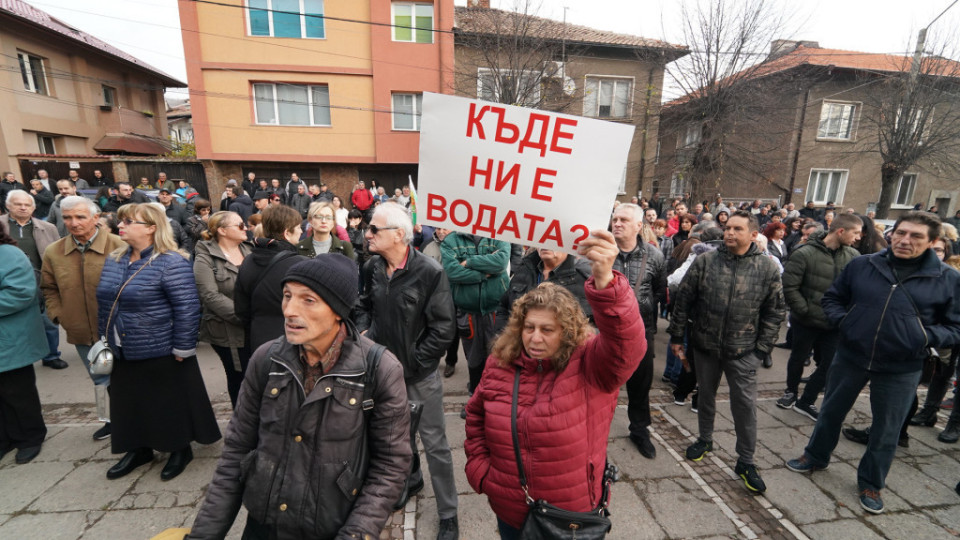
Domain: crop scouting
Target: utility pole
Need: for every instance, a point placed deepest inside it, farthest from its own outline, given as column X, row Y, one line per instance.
column 921, row 41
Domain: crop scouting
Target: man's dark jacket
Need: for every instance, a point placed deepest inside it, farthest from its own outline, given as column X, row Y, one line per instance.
column 290, row 458
column 177, row 213
column 735, row 303
column 571, row 275
column 242, row 205
column 807, row 275
column 411, row 313
column 43, row 200
column 880, row 329
column 258, row 294
column 653, row 283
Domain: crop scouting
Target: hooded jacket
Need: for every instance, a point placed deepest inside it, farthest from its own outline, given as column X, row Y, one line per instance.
column 881, row 329
column 808, row 273
column 734, row 303
column 242, row 205
column 563, row 418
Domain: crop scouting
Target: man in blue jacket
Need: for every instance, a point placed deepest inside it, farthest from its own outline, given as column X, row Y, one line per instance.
column 891, row 308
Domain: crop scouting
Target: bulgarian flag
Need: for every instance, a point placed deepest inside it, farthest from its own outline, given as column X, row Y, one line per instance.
column 413, row 201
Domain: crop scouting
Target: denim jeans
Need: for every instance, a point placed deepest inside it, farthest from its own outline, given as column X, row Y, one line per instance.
column 891, row 395
column 674, row 365
column 53, row 338
column 98, row 380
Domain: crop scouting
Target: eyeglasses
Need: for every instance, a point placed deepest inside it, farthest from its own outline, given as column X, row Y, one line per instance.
column 324, row 218
column 128, row 222
column 242, row 226
column 939, row 250
column 374, row 229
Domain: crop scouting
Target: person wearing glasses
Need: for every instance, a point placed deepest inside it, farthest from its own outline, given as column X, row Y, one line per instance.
column 148, row 308
column 322, row 219
column 219, row 256
column 258, row 291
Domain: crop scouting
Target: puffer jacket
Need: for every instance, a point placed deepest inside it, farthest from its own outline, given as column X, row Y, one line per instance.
column 411, row 313
column 69, row 282
column 258, row 295
column 653, row 283
column 478, row 286
column 880, row 330
column 563, row 419
column 158, row 313
column 22, row 338
column 216, row 279
column 571, row 275
column 735, row 303
column 808, row 273
column 288, row 458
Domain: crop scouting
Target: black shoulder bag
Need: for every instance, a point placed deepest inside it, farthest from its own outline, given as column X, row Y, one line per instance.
column 547, row 522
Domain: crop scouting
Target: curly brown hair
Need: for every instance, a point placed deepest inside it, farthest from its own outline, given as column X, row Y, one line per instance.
column 574, row 328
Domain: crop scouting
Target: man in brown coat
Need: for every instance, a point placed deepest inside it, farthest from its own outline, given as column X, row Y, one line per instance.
column 70, row 275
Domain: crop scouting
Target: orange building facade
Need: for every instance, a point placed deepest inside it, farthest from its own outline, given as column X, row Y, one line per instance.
column 328, row 89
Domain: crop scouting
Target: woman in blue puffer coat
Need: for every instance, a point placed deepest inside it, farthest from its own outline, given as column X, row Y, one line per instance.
column 149, row 309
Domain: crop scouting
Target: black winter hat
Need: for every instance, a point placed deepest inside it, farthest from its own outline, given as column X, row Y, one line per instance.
column 332, row 276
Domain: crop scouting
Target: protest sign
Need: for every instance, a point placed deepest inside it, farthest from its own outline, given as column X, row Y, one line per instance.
column 525, row 176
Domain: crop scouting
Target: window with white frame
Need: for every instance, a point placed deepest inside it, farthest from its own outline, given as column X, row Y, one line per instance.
column 905, row 189
column 45, row 143
column 412, row 22
column 109, row 95
column 679, row 185
column 509, row 86
column 283, row 104
column 406, row 111
column 286, row 18
column 836, row 120
column 607, row 97
column 622, row 188
column 690, row 136
column 826, row 185
column 915, row 121
column 31, row 70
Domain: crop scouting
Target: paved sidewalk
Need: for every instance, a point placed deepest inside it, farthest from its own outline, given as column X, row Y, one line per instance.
column 64, row 493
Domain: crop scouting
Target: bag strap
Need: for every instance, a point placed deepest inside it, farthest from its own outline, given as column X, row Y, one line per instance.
column 516, row 438
column 117, row 299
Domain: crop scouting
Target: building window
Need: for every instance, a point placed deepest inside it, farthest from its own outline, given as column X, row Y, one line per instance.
column 826, row 186
column 45, row 143
column 508, row 86
column 412, row 22
column 905, row 189
column 406, row 111
column 31, row 70
column 292, row 104
column 109, row 95
column 679, row 185
column 690, row 136
column 622, row 188
column 607, row 98
column 836, row 121
column 286, row 18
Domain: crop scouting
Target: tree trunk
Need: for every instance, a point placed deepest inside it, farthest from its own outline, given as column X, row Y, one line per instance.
column 889, row 175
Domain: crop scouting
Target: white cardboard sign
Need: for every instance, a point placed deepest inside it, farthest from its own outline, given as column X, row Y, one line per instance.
column 525, row 176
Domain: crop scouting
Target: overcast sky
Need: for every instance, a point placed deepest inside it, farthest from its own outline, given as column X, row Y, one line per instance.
column 150, row 29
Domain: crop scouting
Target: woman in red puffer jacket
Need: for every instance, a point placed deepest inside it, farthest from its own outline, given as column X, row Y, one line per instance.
column 569, row 381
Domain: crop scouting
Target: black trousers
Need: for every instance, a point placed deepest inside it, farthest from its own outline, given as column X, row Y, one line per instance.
column 638, row 392
column 234, row 368
column 21, row 418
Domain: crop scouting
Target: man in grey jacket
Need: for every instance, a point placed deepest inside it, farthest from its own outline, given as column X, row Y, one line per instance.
column 293, row 450
column 733, row 300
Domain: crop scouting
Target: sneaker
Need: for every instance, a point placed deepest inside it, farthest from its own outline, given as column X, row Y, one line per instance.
column 810, row 411
column 787, row 400
column 871, row 502
column 678, row 401
column 802, row 465
column 693, row 403
column 751, row 478
column 697, row 450
column 102, row 433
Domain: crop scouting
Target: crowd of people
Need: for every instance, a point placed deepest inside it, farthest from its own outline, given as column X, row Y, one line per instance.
column 331, row 325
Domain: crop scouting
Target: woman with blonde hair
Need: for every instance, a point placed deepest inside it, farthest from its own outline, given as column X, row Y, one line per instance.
column 218, row 257
column 322, row 219
column 563, row 380
column 149, row 311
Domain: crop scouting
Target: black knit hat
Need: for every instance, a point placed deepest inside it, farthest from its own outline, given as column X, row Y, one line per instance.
column 332, row 276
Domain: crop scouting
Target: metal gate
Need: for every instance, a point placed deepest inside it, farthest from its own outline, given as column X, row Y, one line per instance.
column 191, row 172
